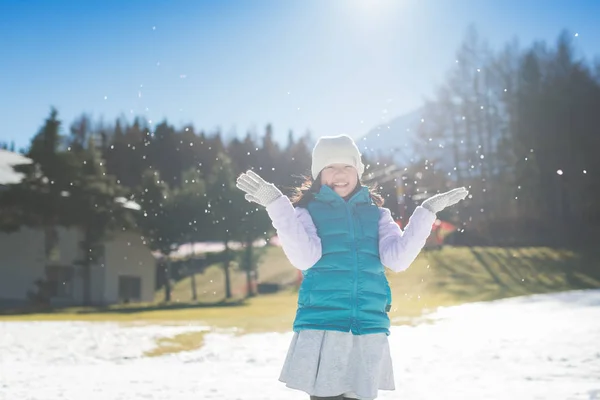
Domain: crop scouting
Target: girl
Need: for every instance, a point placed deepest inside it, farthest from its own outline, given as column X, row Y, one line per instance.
column 336, row 231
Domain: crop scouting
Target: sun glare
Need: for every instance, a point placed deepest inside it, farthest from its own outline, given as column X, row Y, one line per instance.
column 372, row 8
column 370, row 14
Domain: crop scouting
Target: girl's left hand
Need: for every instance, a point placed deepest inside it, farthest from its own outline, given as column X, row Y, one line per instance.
column 440, row 201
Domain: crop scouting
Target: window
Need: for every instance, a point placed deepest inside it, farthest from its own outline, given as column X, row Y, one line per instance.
column 60, row 280
column 130, row 288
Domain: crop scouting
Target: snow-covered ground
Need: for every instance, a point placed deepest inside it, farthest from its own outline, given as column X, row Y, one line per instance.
column 536, row 347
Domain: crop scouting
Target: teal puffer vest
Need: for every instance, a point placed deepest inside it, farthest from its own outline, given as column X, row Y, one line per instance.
column 346, row 290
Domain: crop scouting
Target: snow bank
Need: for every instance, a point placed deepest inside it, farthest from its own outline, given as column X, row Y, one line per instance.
column 536, row 347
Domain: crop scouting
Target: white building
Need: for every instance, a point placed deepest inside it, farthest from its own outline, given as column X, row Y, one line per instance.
column 125, row 272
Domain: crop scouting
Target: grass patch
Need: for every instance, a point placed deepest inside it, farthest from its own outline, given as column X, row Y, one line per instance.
column 449, row 276
column 480, row 273
column 182, row 342
column 273, row 267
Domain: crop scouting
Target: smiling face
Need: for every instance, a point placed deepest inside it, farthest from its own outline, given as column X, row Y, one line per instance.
column 342, row 178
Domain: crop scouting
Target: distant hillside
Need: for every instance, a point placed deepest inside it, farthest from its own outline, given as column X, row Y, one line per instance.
column 395, row 136
column 398, row 137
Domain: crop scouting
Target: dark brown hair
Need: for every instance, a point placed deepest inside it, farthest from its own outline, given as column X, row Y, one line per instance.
column 304, row 193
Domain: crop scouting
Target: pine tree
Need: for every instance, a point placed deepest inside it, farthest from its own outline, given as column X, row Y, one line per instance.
column 96, row 209
column 226, row 207
column 155, row 221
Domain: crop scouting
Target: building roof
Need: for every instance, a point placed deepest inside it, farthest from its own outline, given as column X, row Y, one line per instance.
column 8, row 159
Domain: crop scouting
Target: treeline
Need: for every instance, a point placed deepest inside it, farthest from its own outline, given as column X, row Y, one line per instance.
column 522, row 128
column 172, row 186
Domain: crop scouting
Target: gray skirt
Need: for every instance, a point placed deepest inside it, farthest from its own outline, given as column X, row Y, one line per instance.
column 329, row 363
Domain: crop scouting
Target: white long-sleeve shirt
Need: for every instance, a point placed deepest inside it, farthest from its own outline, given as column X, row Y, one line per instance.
column 302, row 245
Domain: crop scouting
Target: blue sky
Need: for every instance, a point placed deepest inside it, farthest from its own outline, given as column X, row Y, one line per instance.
column 329, row 66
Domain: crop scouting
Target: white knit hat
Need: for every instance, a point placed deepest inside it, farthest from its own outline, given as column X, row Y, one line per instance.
column 339, row 149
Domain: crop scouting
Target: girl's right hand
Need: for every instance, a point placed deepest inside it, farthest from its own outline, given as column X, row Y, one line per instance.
column 257, row 189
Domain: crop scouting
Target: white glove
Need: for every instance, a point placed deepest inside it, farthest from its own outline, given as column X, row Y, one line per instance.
column 440, row 201
column 257, row 189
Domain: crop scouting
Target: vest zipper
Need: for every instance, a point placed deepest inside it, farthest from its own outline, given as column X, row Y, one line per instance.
column 354, row 294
